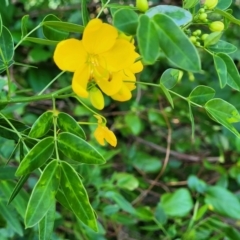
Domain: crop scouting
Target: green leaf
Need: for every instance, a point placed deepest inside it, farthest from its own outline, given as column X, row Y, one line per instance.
column 6, row 47
column 176, row 45
column 227, row 15
column 126, row 20
column 177, row 204
column 63, row 200
column 223, row 113
column 223, row 201
column 63, row 26
column 7, row 172
column 117, row 5
column 1, row 24
column 46, row 224
column 24, row 23
column 167, row 94
column 42, row 125
column 76, row 196
column 134, row 123
column 189, row 3
column 170, row 77
column 43, row 194
column 233, row 79
column 36, row 157
column 78, row 150
column 41, row 41
column 201, row 94
column 126, row 181
column 221, row 70
column 179, row 15
column 212, row 38
column 20, row 202
column 52, row 33
column 84, row 12
column 9, row 215
column 224, row 4
column 191, row 119
column 196, row 184
column 147, row 40
column 222, row 47
column 68, row 124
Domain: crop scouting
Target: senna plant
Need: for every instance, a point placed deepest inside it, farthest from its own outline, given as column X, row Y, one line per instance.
column 106, row 60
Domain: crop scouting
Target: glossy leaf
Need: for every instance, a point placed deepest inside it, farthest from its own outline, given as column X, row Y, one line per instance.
column 76, row 196
column 43, row 194
column 84, row 12
column 179, row 15
column 126, row 181
column 201, row 94
column 147, row 40
column 6, row 47
column 63, row 200
column 167, row 94
column 212, row 39
column 36, row 157
column 51, row 32
column 176, row 45
column 42, row 125
column 126, row 20
column 223, row 201
column 7, row 172
column 228, row 16
column 224, row 113
column 68, row 124
column 233, row 79
column 24, row 23
column 177, row 204
column 224, row 4
column 222, row 47
column 46, row 225
column 1, row 25
column 189, row 3
column 221, row 70
column 78, row 149
column 11, row 218
column 170, row 77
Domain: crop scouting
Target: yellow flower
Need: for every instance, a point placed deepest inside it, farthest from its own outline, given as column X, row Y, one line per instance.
column 96, row 98
column 102, row 134
column 97, row 59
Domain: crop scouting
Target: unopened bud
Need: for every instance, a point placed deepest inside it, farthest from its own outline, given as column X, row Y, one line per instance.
column 142, row 5
column 210, row 4
column 216, row 26
column 96, row 98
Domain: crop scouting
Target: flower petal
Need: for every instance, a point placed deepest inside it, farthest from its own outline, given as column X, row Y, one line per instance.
column 123, row 95
column 136, row 66
column 70, row 55
column 129, row 76
column 80, row 81
column 110, row 137
column 99, row 37
column 96, row 98
column 120, row 56
column 99, row 135
column 113, row 85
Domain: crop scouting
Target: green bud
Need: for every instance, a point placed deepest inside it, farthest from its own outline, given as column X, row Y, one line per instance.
column 193, row 39
column 142, row 5
column 216, row 26
column 202, row 16
column 201, row 10
column 204, row 36
column 210, row 4
column 197, row 32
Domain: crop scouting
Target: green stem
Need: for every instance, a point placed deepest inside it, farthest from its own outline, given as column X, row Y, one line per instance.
column 86, row 123
column 162, row 228
column 193, row 218
column 42, row 97
column 38, row 26
column 55, row 127
column 61, row 73
column 103, row 7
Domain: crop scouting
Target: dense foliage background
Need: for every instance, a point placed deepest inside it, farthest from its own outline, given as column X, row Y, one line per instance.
column 160, row 182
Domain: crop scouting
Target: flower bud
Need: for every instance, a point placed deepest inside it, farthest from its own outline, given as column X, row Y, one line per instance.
column 210, row 4
column 216, row 26
column 202, row 16
column 204, row 36
column 96, row 98
column 142, row 5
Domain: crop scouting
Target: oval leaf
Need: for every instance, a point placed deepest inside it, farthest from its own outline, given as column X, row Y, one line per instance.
column 76, row 195
column 68, row 124
column 179, row 15
column 37, row 156
column 147, row 40
column 224, row 113
column 64, row 26
column 126, row 20
column 221, row 70
column 224, row 4
column 51, row 32
column 176, row 45
column 170, row 77
column 78, row 150
column 222, row 47
column 43, row 194
column 42, row 125
column 201, row 94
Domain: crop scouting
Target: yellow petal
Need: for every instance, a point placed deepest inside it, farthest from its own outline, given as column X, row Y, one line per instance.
column 123, row 95
column 70, row 55
column 129, row 76
column 80, row 81
column 113, row 85
column 137, row 66
column 110, row 137
column 99, row 37
column 96, row 98
column 120, row 56
column 99, row 135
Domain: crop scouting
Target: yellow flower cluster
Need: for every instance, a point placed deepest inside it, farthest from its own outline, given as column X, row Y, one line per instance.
column 101, row 62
